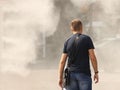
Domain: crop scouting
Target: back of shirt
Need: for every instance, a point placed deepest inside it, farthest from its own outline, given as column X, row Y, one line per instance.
column 81, row 63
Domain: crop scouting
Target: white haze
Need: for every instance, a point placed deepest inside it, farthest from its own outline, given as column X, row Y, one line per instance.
column 110, row 5
column 20, row 23
column 82, row 5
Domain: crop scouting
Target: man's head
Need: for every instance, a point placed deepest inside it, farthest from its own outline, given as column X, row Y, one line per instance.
column 76, row 25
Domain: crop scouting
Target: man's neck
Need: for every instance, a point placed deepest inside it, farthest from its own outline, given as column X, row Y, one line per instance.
column 75, row 32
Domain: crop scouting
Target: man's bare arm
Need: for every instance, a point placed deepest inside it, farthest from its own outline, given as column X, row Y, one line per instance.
column 61, row 68
column 94, row 64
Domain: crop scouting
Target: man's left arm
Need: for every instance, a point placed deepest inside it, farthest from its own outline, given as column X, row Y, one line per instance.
column 61, row 68
column 94, row 64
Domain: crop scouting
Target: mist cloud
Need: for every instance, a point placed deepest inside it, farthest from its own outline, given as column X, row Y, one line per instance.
column 22, row 20
column 82, row 5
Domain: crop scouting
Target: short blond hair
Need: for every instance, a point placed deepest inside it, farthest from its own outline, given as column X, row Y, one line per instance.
column 76, row 25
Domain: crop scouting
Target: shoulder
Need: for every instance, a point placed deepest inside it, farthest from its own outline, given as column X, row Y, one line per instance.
column 69, row 38
column 85, row 36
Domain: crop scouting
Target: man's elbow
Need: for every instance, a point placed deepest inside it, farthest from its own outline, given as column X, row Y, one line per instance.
column 62, row 63
column 93, row 58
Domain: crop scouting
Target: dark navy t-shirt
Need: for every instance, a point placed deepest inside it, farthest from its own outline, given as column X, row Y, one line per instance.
column 84, row 43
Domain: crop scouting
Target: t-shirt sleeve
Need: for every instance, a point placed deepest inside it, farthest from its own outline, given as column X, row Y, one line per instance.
column 90, row 43
column 65, row 47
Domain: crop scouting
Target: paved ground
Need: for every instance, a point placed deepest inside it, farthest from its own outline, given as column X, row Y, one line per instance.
column 47, row 80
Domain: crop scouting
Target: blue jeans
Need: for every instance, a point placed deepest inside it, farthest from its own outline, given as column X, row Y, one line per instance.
column 79, row 81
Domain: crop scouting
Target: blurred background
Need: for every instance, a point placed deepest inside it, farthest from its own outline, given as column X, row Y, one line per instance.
column 32, row 34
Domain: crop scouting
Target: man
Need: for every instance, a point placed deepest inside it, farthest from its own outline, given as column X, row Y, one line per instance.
column 80, row 74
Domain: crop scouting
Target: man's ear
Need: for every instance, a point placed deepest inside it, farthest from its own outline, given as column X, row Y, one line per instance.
column 71, row 28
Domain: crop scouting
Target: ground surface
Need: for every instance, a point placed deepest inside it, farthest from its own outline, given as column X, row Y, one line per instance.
column 47, row 80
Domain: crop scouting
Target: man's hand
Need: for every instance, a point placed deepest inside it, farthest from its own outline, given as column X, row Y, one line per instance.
column 96, row 78
column 61, row 83
column 61, row 68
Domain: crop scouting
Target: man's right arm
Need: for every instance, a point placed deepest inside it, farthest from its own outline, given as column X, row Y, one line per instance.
column 94, row 64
